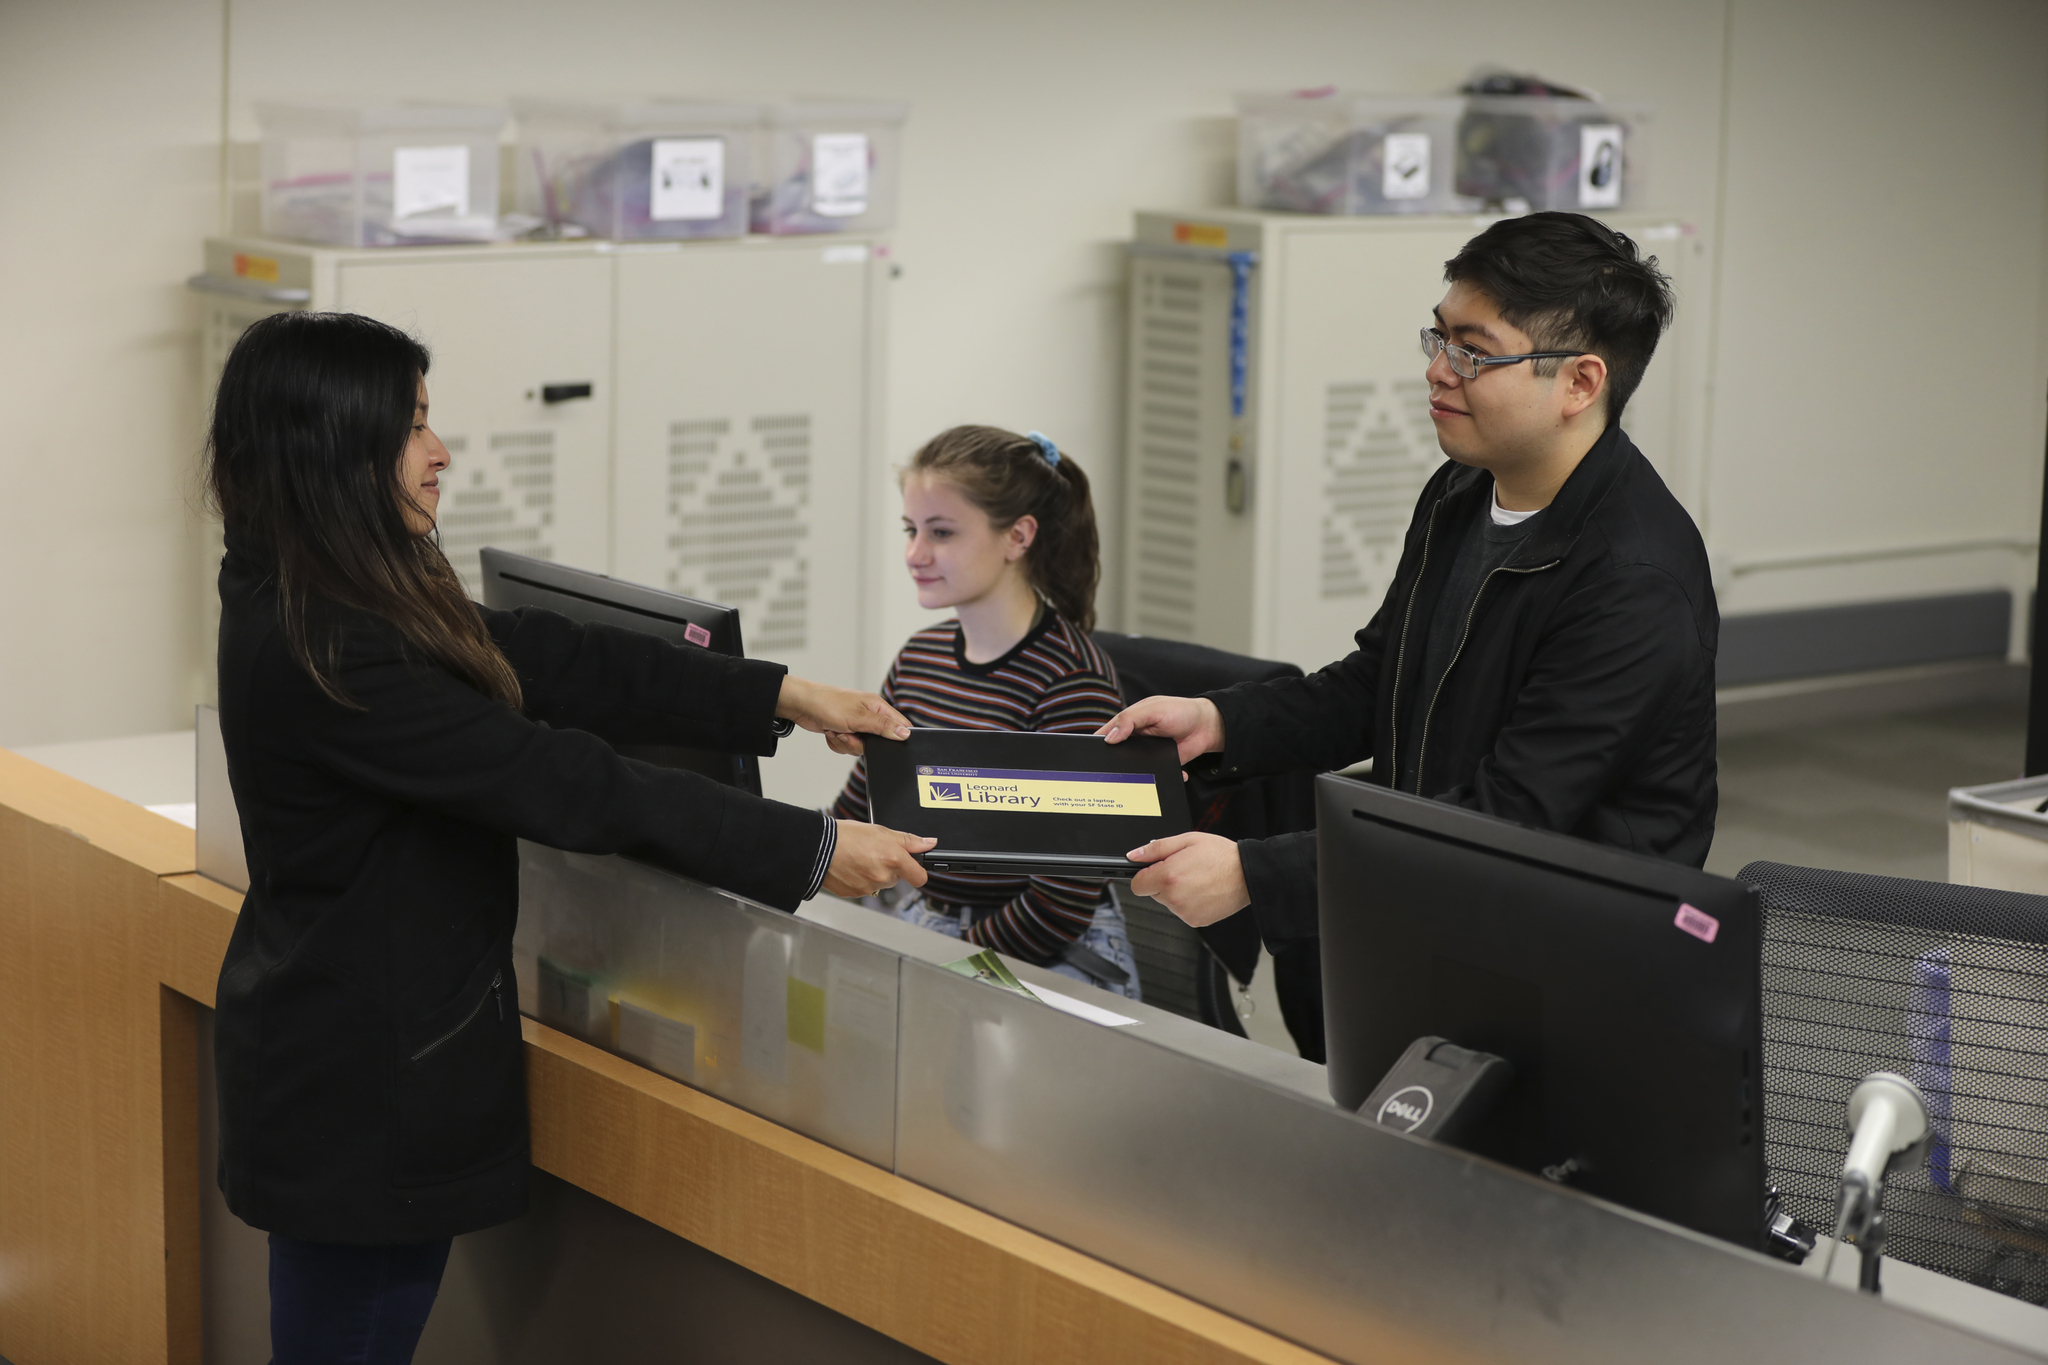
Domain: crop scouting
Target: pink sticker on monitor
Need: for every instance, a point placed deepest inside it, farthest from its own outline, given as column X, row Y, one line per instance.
column 696, row 634
column 1697, row 922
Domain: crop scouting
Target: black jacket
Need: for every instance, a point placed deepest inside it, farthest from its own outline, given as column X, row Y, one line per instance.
column 371, row 1077
column 1581, row 701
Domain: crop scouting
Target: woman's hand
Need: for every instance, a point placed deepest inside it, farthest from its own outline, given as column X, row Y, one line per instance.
column 871, row 857
column 840, row 714
column 1193, row 723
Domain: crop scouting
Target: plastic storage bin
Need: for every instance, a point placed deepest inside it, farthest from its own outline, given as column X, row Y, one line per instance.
column 1341, row 153
column 1550, row 152
column 390, row 175
column 663, row 169
column 1998, row 835
column 828, row 166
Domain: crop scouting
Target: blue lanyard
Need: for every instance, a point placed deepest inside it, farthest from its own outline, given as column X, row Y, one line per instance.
column 1241, row 263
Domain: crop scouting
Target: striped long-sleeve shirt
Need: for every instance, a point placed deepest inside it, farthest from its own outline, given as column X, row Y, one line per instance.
column 1055, row 679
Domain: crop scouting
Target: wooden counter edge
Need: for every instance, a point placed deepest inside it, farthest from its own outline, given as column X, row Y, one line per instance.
column 199, row 917
column 128, row 831
column 583, row 1096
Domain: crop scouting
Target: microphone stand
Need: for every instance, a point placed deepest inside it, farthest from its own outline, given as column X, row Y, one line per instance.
column 1871, row 1245
column 1860, row 1216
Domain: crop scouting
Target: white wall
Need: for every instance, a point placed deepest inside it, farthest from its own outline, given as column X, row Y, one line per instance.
column 108, row 167
column 1880, row 372
column 1036, row 131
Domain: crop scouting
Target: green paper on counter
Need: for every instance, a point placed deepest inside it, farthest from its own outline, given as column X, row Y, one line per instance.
column 986, row 966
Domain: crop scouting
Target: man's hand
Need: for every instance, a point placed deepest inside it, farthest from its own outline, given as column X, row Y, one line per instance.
column 1193, row 723
column 840, row 714
column 870, row 857
column 1197, row 876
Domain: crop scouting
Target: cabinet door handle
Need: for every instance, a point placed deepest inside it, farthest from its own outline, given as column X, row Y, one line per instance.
column 562, row 393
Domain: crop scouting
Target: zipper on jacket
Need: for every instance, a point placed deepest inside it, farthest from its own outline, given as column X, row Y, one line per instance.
column 1401, row 656
column 470, row 1018
column 1471, row 614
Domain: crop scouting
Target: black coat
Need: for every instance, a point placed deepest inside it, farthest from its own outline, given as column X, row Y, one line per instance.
column 371, row 1077
column 1582, row 700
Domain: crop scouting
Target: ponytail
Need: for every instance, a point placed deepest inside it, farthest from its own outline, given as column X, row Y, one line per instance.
column 1010, row 477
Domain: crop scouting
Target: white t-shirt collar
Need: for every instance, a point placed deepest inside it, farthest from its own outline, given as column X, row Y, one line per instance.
column 1503, row 517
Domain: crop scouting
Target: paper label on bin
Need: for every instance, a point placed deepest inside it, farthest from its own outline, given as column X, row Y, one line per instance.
column 1036, row 789
column 687, row 181
column 428, row 180
column 1600, row 166
column 696, row 635
column 839, row 174
column 1404, row 166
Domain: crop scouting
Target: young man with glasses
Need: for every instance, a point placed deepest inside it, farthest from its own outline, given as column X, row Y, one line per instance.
column 1546, row 650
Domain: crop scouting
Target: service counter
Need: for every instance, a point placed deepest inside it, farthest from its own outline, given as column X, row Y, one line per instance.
column 944, row 1167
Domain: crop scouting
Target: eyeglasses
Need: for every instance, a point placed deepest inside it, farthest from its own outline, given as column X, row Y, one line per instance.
column 1466, row 364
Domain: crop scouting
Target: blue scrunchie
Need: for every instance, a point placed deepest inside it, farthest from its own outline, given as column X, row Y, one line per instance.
column 1045, row 447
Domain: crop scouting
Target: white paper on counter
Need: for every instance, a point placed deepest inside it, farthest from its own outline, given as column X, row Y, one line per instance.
column 1081, row 1009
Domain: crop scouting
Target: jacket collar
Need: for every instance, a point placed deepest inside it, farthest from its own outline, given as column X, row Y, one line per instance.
column 1583, row 492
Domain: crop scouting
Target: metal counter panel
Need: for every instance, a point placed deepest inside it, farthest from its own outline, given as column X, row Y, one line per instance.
column 783, row 1017
column 1314, row 1224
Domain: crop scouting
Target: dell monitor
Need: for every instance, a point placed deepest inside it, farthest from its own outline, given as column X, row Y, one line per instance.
column 1623, row 991
column 514, row 580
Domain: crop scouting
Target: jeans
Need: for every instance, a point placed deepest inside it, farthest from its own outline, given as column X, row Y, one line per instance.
column 1106, row 936
column 350, row 1305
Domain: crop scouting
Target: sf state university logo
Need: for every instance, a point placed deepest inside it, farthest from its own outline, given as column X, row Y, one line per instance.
column 1406, row 1109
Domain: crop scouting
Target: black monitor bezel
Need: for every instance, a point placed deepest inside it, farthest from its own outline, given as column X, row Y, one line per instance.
column 514, row 580
column 1370, row 838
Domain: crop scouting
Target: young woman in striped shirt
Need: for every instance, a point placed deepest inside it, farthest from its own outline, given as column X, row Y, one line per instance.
column 1001, row 530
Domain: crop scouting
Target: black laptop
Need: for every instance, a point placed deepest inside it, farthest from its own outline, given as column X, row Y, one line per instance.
column 1024, row 804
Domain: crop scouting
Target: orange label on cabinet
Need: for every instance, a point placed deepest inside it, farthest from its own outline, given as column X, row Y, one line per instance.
column 262, row 268
column 1201, row 234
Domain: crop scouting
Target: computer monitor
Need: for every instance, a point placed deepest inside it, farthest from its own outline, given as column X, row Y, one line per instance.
column 515, row 580
column 1623, row 990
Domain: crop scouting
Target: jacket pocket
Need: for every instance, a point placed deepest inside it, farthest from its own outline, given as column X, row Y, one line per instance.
column 461, row 1087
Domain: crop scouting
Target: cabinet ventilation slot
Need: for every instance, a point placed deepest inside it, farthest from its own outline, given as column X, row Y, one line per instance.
column 1379, row 449
column 739, row 517
column 1165, row 463
column 503, row 495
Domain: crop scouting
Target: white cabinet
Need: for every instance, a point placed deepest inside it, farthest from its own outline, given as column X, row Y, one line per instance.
column 526, row 474
column 1272, row 524
column 699, row 417
column 740, row 467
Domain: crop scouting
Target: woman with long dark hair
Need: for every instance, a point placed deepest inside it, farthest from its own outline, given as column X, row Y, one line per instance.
column 387, row 742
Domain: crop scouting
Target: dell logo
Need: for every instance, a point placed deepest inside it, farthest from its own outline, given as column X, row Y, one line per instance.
column 1406, row 1109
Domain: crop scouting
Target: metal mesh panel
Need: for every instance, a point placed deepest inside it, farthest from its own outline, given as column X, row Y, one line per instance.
column 1947, row 985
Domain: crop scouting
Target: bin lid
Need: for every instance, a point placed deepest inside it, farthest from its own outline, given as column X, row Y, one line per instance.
column 654, row 115
column 2006, row 805
column 381, row 118
column 1356, row 102
column 808, row 112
